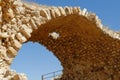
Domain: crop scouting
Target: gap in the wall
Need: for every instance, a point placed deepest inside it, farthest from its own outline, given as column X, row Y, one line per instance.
column 35, row 60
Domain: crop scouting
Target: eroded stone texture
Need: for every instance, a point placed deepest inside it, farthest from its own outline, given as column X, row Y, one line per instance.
column 85, row 51
column 19, row 19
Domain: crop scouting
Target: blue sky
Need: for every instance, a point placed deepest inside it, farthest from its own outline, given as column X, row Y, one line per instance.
column 35, row 60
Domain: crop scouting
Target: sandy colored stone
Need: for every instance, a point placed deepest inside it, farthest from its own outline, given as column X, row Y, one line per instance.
column 62, row 11
column 32, row 22
column 25, row 31
column 12, row 51
column 19, row 19
column 20, row 37
column 10, row 13
column 17, row 3
column 87, row 52
column 17, row 44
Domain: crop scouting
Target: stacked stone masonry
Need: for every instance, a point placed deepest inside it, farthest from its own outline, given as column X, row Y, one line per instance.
column 19, row 19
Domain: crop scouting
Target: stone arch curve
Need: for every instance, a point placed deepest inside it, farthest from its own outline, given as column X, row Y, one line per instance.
column 21, row 22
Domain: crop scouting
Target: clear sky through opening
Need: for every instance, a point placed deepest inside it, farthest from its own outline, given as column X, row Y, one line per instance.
column 35, row 60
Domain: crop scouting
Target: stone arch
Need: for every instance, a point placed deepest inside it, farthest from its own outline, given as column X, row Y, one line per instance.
column 82, row 51
column 21, row 22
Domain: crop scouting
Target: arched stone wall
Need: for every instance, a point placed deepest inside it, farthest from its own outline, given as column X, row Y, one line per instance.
column 18, row 20
column 85, row 51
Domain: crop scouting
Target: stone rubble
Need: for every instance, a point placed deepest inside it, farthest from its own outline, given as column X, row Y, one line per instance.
column 18, row 20
column 7, row 74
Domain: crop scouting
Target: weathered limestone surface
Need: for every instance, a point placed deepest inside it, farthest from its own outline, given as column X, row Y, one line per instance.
column 19, row 19
column 84, row 50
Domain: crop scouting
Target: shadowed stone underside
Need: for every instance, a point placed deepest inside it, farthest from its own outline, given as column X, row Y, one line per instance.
column 85, row 52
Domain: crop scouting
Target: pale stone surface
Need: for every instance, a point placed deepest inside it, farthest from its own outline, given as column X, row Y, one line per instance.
column 7, row 74
column 10, row 13
column 20, row 37
column 62, row 11
column 32, row 22
column 54, row 35
column 17, row 44
column 19, row 19
column 12, row 51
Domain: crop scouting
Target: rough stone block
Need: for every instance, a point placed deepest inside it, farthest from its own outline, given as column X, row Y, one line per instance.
column 21, row 38
column 32, row 22
column 20, row 10
column 43, row 13
column 10, row 13
column 4, row 35
column 52, row 12
column 62, row 11
column 12, row 51
column 84, row 11
column 57, row 12
column 67, row 10
column 25, row 31
column 17, row 3
column 17, row 44
column 0, row 17
column 0, row 8
column 48, row 14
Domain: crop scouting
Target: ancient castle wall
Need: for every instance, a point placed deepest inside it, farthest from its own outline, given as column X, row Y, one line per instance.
column 19, row 19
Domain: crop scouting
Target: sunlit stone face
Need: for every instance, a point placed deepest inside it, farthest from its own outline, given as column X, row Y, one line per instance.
column 54, row 35
column 15, row 34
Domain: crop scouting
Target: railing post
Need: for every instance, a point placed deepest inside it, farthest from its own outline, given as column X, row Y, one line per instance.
column 42, row 77
column 54, row 74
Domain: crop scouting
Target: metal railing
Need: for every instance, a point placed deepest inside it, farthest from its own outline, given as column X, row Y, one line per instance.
column 51, row 75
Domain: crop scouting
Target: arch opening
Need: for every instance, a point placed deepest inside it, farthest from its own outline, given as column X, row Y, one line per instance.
column 35, row 60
